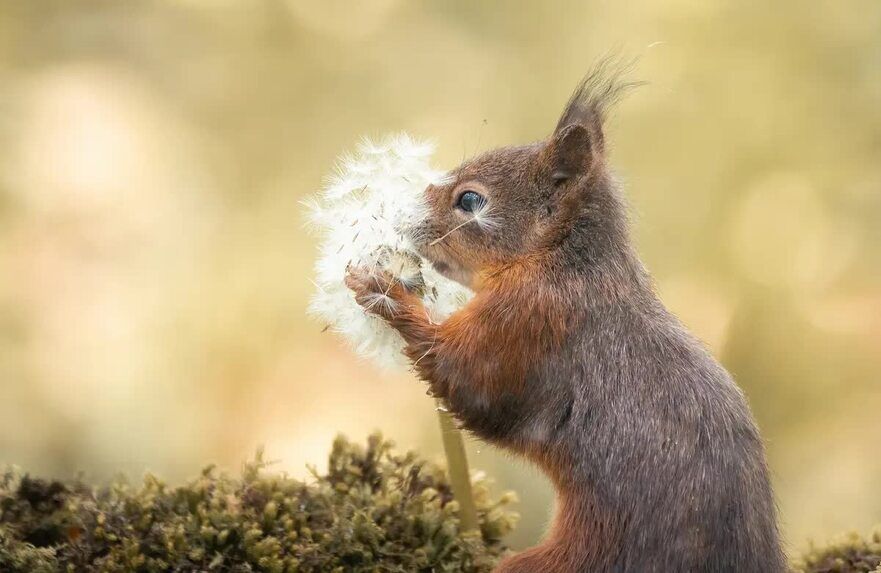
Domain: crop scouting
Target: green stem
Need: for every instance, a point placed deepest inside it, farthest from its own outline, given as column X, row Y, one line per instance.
column 457, row 465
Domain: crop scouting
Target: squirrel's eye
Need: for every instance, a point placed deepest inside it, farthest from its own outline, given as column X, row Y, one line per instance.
column 470, row 201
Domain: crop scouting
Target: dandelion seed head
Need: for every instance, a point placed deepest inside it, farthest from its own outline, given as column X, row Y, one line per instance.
column 364, row 217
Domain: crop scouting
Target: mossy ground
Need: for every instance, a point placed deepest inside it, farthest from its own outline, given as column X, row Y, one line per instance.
column 373, row 511
column 851, row 553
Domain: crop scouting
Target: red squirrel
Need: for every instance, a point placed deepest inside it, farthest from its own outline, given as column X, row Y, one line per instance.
column 566, row 356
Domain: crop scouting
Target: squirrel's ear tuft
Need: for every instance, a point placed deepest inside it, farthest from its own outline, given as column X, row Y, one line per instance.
column 590, row 102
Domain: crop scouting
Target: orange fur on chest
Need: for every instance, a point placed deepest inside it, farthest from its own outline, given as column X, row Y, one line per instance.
column 507, row 330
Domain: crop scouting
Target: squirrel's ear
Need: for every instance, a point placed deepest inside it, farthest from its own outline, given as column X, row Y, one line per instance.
column 571, row 152
column 578, row 140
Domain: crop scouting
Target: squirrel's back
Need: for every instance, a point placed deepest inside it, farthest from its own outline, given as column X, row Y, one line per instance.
column 665, row 440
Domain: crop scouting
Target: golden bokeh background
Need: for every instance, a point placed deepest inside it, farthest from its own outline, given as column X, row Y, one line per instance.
column 154, row 265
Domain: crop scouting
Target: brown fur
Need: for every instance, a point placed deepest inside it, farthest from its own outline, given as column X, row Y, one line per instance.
column 566, row 357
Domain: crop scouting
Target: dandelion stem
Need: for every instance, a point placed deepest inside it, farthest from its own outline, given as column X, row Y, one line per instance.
column 457, row 465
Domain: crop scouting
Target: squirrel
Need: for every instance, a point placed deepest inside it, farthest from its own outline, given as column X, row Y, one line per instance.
column 566, row 356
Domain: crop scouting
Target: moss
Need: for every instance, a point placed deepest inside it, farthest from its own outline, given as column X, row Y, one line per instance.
column 849, row 554
column 374, row 510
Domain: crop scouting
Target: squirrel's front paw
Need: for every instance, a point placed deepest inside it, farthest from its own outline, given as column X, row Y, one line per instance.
column 379, row 292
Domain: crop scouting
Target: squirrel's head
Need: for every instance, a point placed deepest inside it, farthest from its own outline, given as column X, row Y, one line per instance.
column 515, row 202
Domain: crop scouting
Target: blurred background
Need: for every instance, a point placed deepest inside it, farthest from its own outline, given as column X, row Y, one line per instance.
column 154, row 266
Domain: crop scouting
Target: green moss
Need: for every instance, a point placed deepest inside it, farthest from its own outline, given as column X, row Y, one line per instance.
column 374, row 510
column 849, row 554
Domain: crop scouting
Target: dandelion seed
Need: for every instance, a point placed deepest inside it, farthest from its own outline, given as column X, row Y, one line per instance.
column 481, row 217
